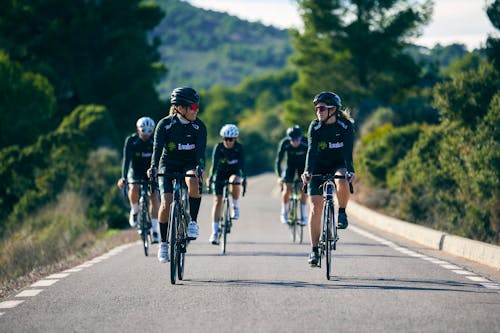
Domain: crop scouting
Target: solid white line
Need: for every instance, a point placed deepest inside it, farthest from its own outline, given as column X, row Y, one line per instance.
column 44, row 283
column 10, row 304
column 456, row 269
column 73, row 270
column 29, row 293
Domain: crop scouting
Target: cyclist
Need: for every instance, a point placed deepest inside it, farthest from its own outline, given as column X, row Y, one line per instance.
column 294, row 145
column 228, row 162
column 137, row 152
column 331, row 140
column 179, row 146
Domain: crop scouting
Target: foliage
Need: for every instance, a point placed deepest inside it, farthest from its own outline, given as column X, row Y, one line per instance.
column 27, row 104
column 382, row 149
column 355, row 48
column 90, row 51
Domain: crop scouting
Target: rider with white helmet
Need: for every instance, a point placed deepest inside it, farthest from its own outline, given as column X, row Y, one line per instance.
column 228, row 162
column 137, row 152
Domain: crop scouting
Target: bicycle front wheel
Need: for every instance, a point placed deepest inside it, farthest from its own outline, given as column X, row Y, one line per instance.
column 144, row 227
column 329, row 238
column 173, row 242
column 225, row 226
column 292, row 219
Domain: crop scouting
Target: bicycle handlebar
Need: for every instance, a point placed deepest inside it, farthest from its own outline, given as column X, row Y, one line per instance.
column 227, row 182
column 332, row 176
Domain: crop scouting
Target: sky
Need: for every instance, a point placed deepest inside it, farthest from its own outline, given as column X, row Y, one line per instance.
column 453, row 21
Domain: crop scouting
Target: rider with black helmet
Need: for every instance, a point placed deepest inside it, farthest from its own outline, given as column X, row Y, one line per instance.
column 179, row 146
column 294, row 146
column 331, row 141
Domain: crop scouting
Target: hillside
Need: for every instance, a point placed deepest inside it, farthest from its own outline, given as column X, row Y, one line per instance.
column 203, row 47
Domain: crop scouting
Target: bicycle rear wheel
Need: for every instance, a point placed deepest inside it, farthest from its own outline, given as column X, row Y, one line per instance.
column 173, row 242
column 182, row 248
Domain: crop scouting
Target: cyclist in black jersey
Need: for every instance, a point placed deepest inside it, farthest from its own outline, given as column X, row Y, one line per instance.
column 331, row 141
column 179, row 146
column 228, row 162
column 294, row 146
column 137, row 152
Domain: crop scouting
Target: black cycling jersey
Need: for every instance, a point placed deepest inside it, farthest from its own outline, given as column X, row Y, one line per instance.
column 295, row 156
column 330, row 145
column 178, row 144
column 229, row 161
column 136, row 157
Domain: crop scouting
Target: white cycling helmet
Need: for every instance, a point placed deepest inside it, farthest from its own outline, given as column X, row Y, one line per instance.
column 146, row 124
column 229, row 131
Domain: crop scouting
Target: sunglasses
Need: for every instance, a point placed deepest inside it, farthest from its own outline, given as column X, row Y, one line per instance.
column 323, row 108
column 229, row 139
column 295, row 139
column 194, row 106
column 146, row 130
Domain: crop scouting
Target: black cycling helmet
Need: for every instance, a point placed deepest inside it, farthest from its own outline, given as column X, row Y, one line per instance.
column 329, row 98
column 294, row 132
column 184, row 96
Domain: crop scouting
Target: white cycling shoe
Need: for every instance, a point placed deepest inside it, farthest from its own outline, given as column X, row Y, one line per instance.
column 193, row 230
column 163, row 252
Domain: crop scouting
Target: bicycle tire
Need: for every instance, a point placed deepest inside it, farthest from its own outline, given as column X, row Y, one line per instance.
column 328, row 243
column 225, row 225
column 173, row 242
column 293, row 218
column 182, row 247
column 143, row 222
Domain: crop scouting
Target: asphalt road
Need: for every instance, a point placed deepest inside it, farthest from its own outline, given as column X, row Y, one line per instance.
column 263, row 284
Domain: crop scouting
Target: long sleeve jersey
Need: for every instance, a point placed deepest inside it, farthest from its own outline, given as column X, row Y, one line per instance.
column 330, row 145
column 137, row 155
column 228, row 160
column 177, row 144
column 295, row 156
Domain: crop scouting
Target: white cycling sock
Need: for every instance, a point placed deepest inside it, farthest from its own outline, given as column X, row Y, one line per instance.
column 154, row 222
column 215, row 227
column 135, row 208
column 303, row 209
column 284, row 207
column 236, row 202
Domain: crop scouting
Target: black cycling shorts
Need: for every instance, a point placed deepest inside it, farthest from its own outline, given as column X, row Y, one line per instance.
column 220, row 177
column 314, row 187
column 291, row 171
column 165, row 183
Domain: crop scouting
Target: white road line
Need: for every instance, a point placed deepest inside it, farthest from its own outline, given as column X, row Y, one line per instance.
column 57, row 276
column 44, row 283
column 10, row 304
column 477, row 279
column 29, row 293
column 454, row 268
column 73, row 270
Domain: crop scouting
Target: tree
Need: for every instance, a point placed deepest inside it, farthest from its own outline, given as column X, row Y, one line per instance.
column 355, row 48
column 90, row 51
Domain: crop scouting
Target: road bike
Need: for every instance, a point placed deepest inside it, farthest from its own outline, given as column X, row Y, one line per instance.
column 225, row 222
column 294, row 217
column 178, row 228
column 143, row 216
column 329, row 225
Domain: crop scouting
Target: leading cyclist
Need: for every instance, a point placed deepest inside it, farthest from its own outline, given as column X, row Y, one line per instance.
column 228, row 163
column 331, row 141
column 179, row 146
column 294, row 146
column 137, row 152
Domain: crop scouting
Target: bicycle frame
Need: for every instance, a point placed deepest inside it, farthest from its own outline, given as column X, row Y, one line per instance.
column 293, row 215
column 178, row 224
column 144, row 218
column 225, row 222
